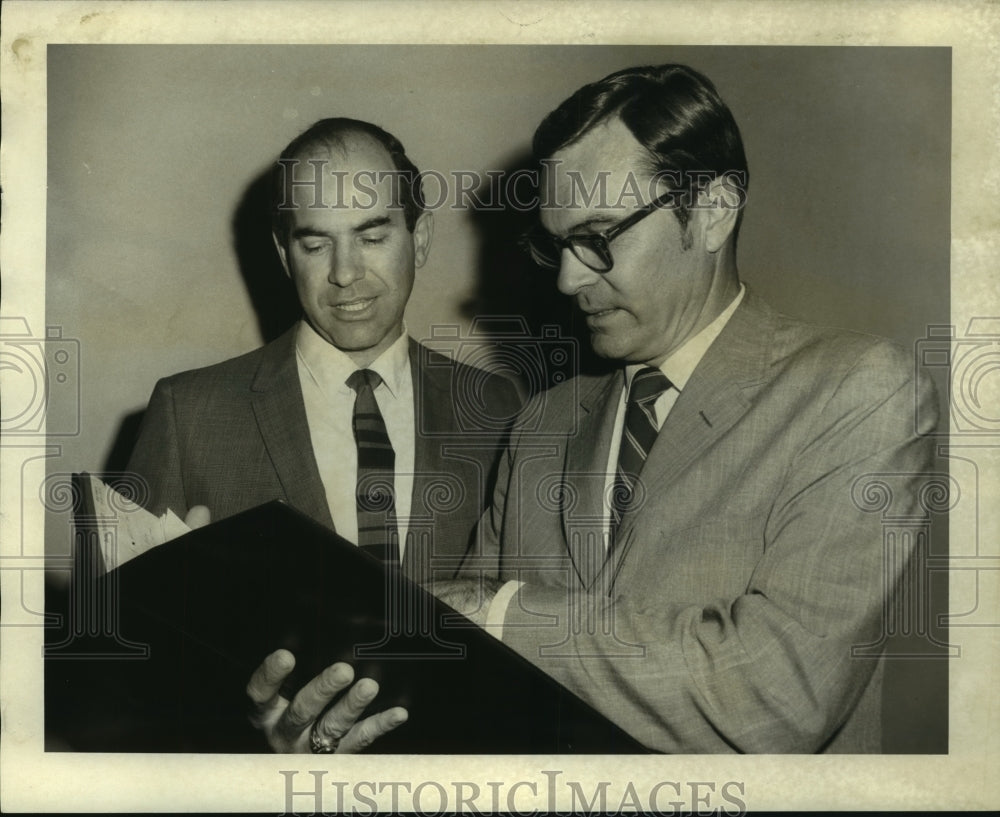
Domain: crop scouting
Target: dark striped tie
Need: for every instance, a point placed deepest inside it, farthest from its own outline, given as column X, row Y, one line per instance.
column 375, row 493
column 638, row 437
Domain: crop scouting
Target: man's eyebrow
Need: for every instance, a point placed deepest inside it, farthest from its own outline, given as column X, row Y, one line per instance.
column 590, row 223
column 372, row 223
column 369, row 224
column 308, row 232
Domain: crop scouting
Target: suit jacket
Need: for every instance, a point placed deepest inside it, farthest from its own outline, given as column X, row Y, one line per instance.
column 725, row 617
column 235, row 435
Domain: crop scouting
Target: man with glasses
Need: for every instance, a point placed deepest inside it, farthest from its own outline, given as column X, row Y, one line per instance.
column 682, row 546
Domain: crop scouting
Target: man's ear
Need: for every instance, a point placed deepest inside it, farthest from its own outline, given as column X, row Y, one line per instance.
column 279, row 245
column 718, row 209
column 423, row 232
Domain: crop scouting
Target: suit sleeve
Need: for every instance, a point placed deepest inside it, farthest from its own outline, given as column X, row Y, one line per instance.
column 156, row 458
column 772, row 669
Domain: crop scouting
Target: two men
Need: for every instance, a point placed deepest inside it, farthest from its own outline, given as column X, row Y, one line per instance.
column 681, row 544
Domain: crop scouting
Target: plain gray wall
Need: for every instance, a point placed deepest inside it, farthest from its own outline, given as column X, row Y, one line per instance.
column 152, row 150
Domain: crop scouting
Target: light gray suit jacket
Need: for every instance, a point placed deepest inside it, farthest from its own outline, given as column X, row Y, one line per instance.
column 725, row 616
column 235, row 435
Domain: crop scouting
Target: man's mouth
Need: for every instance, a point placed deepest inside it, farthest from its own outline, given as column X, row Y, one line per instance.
column 596, row 315
column 359, row 305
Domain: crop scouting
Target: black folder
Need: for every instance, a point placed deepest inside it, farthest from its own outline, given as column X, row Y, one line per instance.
column 155, row 655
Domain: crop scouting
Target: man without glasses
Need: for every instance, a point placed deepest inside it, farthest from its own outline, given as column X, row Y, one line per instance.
column 344, row 410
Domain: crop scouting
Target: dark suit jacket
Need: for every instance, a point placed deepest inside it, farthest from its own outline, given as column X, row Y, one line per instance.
column 726, row 616
column 234, row 435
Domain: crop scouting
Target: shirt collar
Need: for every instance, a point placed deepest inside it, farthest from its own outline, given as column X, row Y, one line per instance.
column 680, row 365
column 330, row 367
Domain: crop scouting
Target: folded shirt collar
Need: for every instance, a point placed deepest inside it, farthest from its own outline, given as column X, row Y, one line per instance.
column 330, row 367
column 680, row 365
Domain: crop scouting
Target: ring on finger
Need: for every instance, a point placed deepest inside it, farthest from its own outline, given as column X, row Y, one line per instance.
column 321, row 744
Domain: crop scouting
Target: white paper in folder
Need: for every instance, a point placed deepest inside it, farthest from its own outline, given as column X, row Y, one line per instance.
column 125, row 529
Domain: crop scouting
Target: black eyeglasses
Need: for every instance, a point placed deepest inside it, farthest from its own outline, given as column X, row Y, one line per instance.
column 590, row 249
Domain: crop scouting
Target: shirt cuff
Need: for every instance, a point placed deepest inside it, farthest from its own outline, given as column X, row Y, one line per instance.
column 497, row 611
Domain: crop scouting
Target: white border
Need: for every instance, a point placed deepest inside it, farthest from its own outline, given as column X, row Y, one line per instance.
column 964, row 779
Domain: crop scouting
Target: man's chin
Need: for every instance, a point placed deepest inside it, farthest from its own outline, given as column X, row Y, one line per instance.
column 607, row 346
column 362, row 338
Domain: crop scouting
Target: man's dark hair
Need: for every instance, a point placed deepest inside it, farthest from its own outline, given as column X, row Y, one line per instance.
column 333, row 133
column 673, row 111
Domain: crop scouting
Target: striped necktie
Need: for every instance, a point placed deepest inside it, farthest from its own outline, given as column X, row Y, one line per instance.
column 638, row 437
column 375, row 492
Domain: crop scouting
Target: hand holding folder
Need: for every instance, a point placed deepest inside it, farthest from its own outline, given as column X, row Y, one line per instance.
column 289, row 726
column 194, row 617
column 319, row 705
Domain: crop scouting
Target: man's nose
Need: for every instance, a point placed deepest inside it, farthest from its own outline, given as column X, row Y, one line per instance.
column 345, row 268
column 574, row 275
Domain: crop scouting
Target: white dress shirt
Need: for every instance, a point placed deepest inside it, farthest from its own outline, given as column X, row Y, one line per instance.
column 323, row 372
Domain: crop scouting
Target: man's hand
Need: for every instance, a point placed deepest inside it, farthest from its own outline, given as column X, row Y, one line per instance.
column 471, row 597
column 197, row 517
column 288, row 726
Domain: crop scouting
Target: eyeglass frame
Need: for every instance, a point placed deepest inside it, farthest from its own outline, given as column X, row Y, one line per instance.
column 598, row 242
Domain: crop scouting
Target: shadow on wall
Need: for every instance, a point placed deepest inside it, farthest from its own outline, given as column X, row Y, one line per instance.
column 271, row 292
column 121, row 448
column 514, row 296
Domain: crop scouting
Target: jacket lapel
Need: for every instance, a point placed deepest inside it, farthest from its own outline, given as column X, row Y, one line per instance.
column 717, row 395
column 584, row 470
column 281, row 418
column 432, row 415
